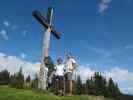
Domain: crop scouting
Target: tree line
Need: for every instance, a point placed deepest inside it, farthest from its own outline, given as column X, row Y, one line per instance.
column 17, row 80
column 96, row 85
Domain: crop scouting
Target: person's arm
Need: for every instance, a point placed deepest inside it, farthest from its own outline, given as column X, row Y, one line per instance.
column 64, row 68
column 74, row 64
column 55, row 67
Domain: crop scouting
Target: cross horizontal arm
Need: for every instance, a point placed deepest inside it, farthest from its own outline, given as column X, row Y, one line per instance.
column 44, row 22
column 40, row 18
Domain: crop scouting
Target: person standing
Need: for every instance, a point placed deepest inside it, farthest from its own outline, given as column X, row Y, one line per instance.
column 59, row 73
column 50, row 70
column 71, row 66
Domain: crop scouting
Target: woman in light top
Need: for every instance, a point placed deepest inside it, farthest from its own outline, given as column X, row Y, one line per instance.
column 59, row 73
column 60, row 67
column 71, row 66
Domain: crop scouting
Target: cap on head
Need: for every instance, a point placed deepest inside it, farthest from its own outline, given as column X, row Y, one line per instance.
column 69, row 55
column 59, row 60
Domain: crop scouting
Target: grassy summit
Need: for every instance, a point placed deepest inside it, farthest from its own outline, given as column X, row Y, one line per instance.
column 7, row 93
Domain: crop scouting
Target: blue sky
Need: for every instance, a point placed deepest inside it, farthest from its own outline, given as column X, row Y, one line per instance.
column 98, row 32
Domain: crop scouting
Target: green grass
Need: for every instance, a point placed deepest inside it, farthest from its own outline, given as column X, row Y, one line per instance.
column 7, row 93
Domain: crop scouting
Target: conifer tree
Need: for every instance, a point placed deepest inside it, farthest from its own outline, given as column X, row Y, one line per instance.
column 90, row 86
column 113, row 90
column 34, row 83
column 4, row 77
column 78, row 87
column 28, row 79
column 17, row 80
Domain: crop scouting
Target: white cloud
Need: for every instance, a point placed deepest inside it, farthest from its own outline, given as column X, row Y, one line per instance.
column 129, row 47
column 102, row 52
column 3, row 34
column 123, row 77
column 120, row 75
column 104, row 5
column 13, row 64
column 6, row 23
column 11, row 26
column 2, row 54
column 14, row 27
column 85, row 72
column 24, row 33
column 23, row 55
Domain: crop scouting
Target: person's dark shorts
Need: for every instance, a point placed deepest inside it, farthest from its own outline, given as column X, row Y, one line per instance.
column 69, row 76
column 59, row 77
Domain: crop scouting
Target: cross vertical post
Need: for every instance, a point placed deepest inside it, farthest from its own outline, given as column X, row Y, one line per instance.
column 47, row 23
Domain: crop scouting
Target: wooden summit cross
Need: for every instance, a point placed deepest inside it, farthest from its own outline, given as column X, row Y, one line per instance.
column 47, row 23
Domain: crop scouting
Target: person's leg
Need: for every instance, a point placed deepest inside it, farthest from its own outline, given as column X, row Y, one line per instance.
column 59, row 82
column 61, row 85
column 71, row 87
column 64, row 85
column 57, row 79
column 70, row 83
